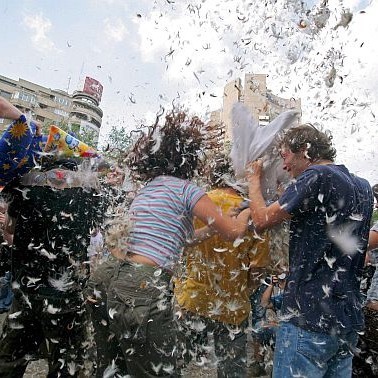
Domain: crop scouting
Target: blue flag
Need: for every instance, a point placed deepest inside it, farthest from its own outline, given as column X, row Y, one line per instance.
column 18, row 148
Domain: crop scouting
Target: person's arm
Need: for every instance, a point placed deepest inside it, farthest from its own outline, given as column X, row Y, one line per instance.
column 201, row 234
column 9, row 111
column 263, row 216
column 229, row 228
column 265, row 298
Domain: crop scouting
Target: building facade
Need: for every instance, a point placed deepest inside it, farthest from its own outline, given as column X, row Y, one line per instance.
column 79, row 110
column 261, row 102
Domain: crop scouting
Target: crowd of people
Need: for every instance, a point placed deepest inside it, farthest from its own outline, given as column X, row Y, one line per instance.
column 152, row 273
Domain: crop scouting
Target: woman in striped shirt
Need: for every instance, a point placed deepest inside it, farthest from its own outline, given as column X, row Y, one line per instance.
column 161, row 224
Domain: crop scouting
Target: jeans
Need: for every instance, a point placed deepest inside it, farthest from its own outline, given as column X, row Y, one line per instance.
column 6, row 293
column 301, row 353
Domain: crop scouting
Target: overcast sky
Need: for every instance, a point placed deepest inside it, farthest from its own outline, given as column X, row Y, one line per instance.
column 149, row 53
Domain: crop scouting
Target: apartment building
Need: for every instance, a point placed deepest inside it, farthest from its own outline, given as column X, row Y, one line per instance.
column 262, row 103
column 79, row 110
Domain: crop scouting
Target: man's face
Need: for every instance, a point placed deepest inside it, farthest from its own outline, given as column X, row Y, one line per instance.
column 115, row 177
column 294, row 162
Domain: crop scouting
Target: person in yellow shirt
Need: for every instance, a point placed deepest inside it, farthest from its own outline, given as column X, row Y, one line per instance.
column 214, row 292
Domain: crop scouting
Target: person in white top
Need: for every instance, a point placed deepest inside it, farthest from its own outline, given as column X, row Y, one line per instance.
column 95, row 249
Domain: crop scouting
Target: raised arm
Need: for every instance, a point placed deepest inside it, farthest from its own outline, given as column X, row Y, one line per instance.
column 263, row 217
column 7, row 110
column 229, row 228
column 265, row 298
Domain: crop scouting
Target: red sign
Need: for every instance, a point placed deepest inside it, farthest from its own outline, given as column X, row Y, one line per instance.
column 93, row 88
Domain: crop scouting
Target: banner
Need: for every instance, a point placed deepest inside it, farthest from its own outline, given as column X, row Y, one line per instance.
column 62, row 143
column 93, row 88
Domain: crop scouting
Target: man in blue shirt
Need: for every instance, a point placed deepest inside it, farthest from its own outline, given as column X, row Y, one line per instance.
column 329, row 211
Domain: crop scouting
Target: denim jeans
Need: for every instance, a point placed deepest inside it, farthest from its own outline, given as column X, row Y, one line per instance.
column 6, row 294
column 301, row 353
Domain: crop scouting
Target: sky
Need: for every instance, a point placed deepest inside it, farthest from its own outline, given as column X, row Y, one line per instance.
column 150, row 53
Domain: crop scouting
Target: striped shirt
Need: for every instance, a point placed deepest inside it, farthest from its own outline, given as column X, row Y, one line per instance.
column 162, row 219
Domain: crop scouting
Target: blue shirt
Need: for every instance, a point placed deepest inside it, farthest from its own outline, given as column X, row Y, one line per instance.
column 331, row 211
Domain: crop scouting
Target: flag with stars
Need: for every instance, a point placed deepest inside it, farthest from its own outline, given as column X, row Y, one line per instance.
column 18, row 148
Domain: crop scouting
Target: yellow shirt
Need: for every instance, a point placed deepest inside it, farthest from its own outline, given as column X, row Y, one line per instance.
column 216, row 282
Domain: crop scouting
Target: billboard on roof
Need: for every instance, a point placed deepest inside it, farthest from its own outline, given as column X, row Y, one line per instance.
column 93, row 88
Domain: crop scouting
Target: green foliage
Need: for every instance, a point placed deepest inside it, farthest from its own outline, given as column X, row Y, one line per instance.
column 88, row 136
column 118, row 140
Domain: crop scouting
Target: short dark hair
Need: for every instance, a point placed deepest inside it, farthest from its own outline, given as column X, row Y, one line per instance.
column 306, row 137
column 173, row 149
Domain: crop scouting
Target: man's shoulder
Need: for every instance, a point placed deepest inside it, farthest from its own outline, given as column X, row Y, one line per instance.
column 326, row 169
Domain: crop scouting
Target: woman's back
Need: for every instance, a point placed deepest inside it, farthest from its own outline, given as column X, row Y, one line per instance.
column 162, row 219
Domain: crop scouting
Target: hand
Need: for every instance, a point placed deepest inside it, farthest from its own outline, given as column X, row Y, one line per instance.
column 254, row 169
column 244, row 215
column 274, row 280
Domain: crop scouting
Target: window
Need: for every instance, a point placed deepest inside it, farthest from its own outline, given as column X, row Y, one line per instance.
column 61, row 112
column 28, row 97
column 6, row 95
column 61, row 101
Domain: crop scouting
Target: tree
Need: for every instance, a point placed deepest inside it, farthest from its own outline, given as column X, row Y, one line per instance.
column 117, row 142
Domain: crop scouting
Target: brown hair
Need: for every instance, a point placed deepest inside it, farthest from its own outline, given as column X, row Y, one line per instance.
column 306, row 137
column 172, row 149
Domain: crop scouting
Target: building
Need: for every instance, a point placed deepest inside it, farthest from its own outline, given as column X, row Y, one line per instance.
column 262, row 103
column 79, row 110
